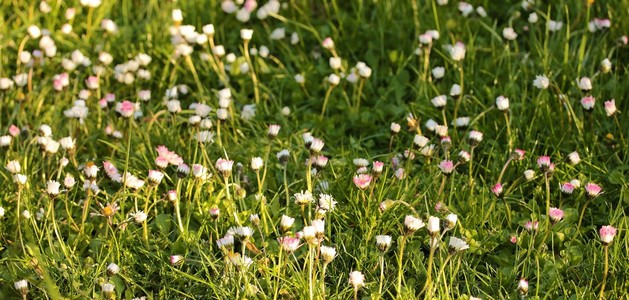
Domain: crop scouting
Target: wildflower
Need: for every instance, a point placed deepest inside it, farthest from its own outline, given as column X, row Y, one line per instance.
column 246, row 34
column 52, row 187
column 451, row 220
column 464, row 156
column 335, row 63
column 303, row 197
column 513, row 239
column 254, row 219
column 465, row 8
column 383, row 242
column 399, row 173
column 541, row 82
column 1, row 211
column 319, row 161
column 289, row 244
column 554, row 25
column 112, row 269
column 357, row 280
column 362, row 181
column 502, row 103
column 256, row 163
column 22, row 287
column 592, row 190
column 523, row 287
column 573, row 158
column 530, row 225
column 316, row 145
column 509, row 34
column 26, row 214
column 155, row 176
column 455, row 90
column 176, row 260
column 610, row 107
column 439, row 101
column 420, row 141
column 377, row 167
column 286, row 223
column 497, row 189
column 567, row 188
column 319, row 228
column 224, row 166
column 555, row 214
column 326, row 202
column 584, row 84
column 474, row 138
column 461, row 122
column 607, row 234
column 433, row 226
column 274, row 129
column 67, row 143
column 283, row 156
column 457, row 52
column 412, row 224
column 606, row 65
column 13, row 167
column 543, row 162
column 438, row 72
column 172, row 195
column 139, row 216
column 457, row 244
column 576, row 183
column 327, row 254
column 588, row 103
column 225, row 242
column 533, row 18
column 328, row 43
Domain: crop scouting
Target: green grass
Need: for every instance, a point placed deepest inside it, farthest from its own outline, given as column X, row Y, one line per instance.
column 63, row 256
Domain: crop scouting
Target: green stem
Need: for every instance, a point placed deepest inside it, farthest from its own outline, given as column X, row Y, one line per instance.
column 602, row 293
column 399, row 265
column 325, row 100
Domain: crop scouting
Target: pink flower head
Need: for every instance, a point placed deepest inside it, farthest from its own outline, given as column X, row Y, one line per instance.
column 513, row 239
column 103, row 103
column 544, row 164
column 250, row 5
column 592, row 190
column 446, row 141
column 588, row 103
column 362, row 181
column 530, row 225
column 172, row 195
column 399, row 173
column 289, row 244
column 446, row 167
column 320, row 161
column 224, row 166
column 377, row 167
column 176, row 260
column 274, row 129
column 555, row 214
column 316, row 145
column 112, row 171
column 497, row 189
column 328, row 43
column 610, row 107
column 475, row 137
column 440, row 207
column 607, row 234
column 126, row 108
column 518, row 154
column 14, row 130
column 161, row 162
column 567, row 188
column 92, row 82
column 215, row 212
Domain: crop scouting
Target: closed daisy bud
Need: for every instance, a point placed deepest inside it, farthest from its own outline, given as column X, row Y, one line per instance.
column 224, row 166
column 529, row 174
column 246, row 34
column 573, row 158
column 576, row 183
column 607, row 234
column 335, row 63
column 215, row 212
column 176, row 260
column 438, row 72
column 502, row 103
column 464, row 156
column 509, row 34
column 286, row 223
column 433, row 226
column 256, row 163
column 183, row 170
column 69, row 181
column 530, row 225
column 497, row 189
column 439, row 101
column 455, row 90
column 319, row 227
column 283, row 156
column 254, row 219
column 328, row 43
column 420, row 141
column 52, row 187
column 383, row 242
column 412, row 224
column 90, row 170
column 610, row 107
column 327, row 254
column 172, row 195
column 13, row 167
column 474, row 138
column 606, row 65
column 451, row 221
column 362, row 181
column 523, row 287
column 274, row 129
column 588, row 103
column 155, row 177
column 316, row 145
column 555, row 214
column 584, row 84
column 112, row 269
column 431, row 125
column 303, row 197
column 377, row 167
column 395, row 128
column 289, row 244
column 543, row 162
column 441, row 130
column 457, row 52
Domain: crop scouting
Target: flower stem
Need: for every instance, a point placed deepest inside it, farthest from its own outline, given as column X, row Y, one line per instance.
column 325, row 100
column 381, row 276
column 602, row 293
column 399, row 265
